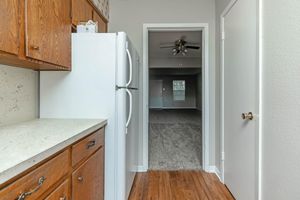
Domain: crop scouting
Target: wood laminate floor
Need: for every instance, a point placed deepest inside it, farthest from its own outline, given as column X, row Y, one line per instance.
column 178, row 185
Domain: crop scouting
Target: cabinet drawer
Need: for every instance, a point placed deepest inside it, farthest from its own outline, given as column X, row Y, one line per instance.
column 87, row 146
column 61, row 193
column 39, row 180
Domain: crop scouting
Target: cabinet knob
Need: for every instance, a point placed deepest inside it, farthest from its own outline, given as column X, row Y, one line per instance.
column 80, row 178
column 34, row 47
column 63, row 198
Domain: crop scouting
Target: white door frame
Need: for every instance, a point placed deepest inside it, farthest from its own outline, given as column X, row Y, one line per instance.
column 205, row 84
column 259, row 64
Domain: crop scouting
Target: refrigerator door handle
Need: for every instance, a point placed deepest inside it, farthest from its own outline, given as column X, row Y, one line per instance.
column 130, row 109
column 130, row 67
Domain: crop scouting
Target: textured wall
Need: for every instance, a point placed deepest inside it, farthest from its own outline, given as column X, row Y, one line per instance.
column 281, row 100
column 130, row 15
column 18, row 95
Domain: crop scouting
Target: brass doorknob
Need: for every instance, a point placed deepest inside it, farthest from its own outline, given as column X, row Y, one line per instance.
column 247, row 116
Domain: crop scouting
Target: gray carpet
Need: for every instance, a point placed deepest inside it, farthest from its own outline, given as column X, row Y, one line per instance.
column 175, row 140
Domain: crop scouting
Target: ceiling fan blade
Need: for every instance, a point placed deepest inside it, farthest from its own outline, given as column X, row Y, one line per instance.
column 193, row 43
column 192, row 47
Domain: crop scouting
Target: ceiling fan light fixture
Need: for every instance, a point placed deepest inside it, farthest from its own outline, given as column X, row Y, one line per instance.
column 180, row 47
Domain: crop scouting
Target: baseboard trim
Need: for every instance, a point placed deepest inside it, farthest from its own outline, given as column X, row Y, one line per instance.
column 141, row 168
column 214, row 169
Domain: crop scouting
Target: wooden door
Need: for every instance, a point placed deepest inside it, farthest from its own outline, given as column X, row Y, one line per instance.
column 88, row 179
column 9, row 26
column 48, row 31
column 82, row 11
column 241, row 95
column 102, row 25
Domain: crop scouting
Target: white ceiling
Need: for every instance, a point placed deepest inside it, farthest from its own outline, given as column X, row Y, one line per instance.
column 157, row 38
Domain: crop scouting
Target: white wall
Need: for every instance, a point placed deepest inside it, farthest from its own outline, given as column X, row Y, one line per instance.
column 281, row 100
column 220, row 6
column 18, row 95
column 130, row 15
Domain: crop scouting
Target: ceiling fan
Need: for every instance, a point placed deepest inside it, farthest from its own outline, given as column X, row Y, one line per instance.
column 180, row 46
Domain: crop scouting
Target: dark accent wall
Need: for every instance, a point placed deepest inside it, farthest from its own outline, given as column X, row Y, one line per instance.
column 167, row 92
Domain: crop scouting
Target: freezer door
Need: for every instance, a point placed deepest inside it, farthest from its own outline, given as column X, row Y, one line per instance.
column 127, row 63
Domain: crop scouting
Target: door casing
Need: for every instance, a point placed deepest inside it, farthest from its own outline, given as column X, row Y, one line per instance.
column 205, row 86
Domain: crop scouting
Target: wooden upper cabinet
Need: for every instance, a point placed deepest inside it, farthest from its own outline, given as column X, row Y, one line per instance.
column 82, row 11
column 9, row 26
column 88, row 179
column 48, row 31
column 102, row 25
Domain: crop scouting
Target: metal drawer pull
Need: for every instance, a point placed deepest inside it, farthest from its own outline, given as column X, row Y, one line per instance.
column 25, row 194
column 91, row 144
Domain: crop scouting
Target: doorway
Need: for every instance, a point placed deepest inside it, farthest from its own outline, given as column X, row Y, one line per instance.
column 175, row 117
column 169, row 102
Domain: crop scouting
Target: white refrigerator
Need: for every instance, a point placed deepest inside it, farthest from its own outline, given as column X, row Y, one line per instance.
column 103, row 83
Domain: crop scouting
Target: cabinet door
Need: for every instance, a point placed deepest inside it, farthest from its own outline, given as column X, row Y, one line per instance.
column 9, row 32
column 82, row 11
column 48, row 31
column 62, row 192
column 102, row 26
column 87, row 180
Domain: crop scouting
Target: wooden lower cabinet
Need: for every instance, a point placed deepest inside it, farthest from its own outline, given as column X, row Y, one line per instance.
column 43, row 178
column 62, row 192
column 56, row 179
column 87, row 180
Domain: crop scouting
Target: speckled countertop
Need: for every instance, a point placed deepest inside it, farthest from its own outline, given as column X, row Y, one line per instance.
column 25, row 144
